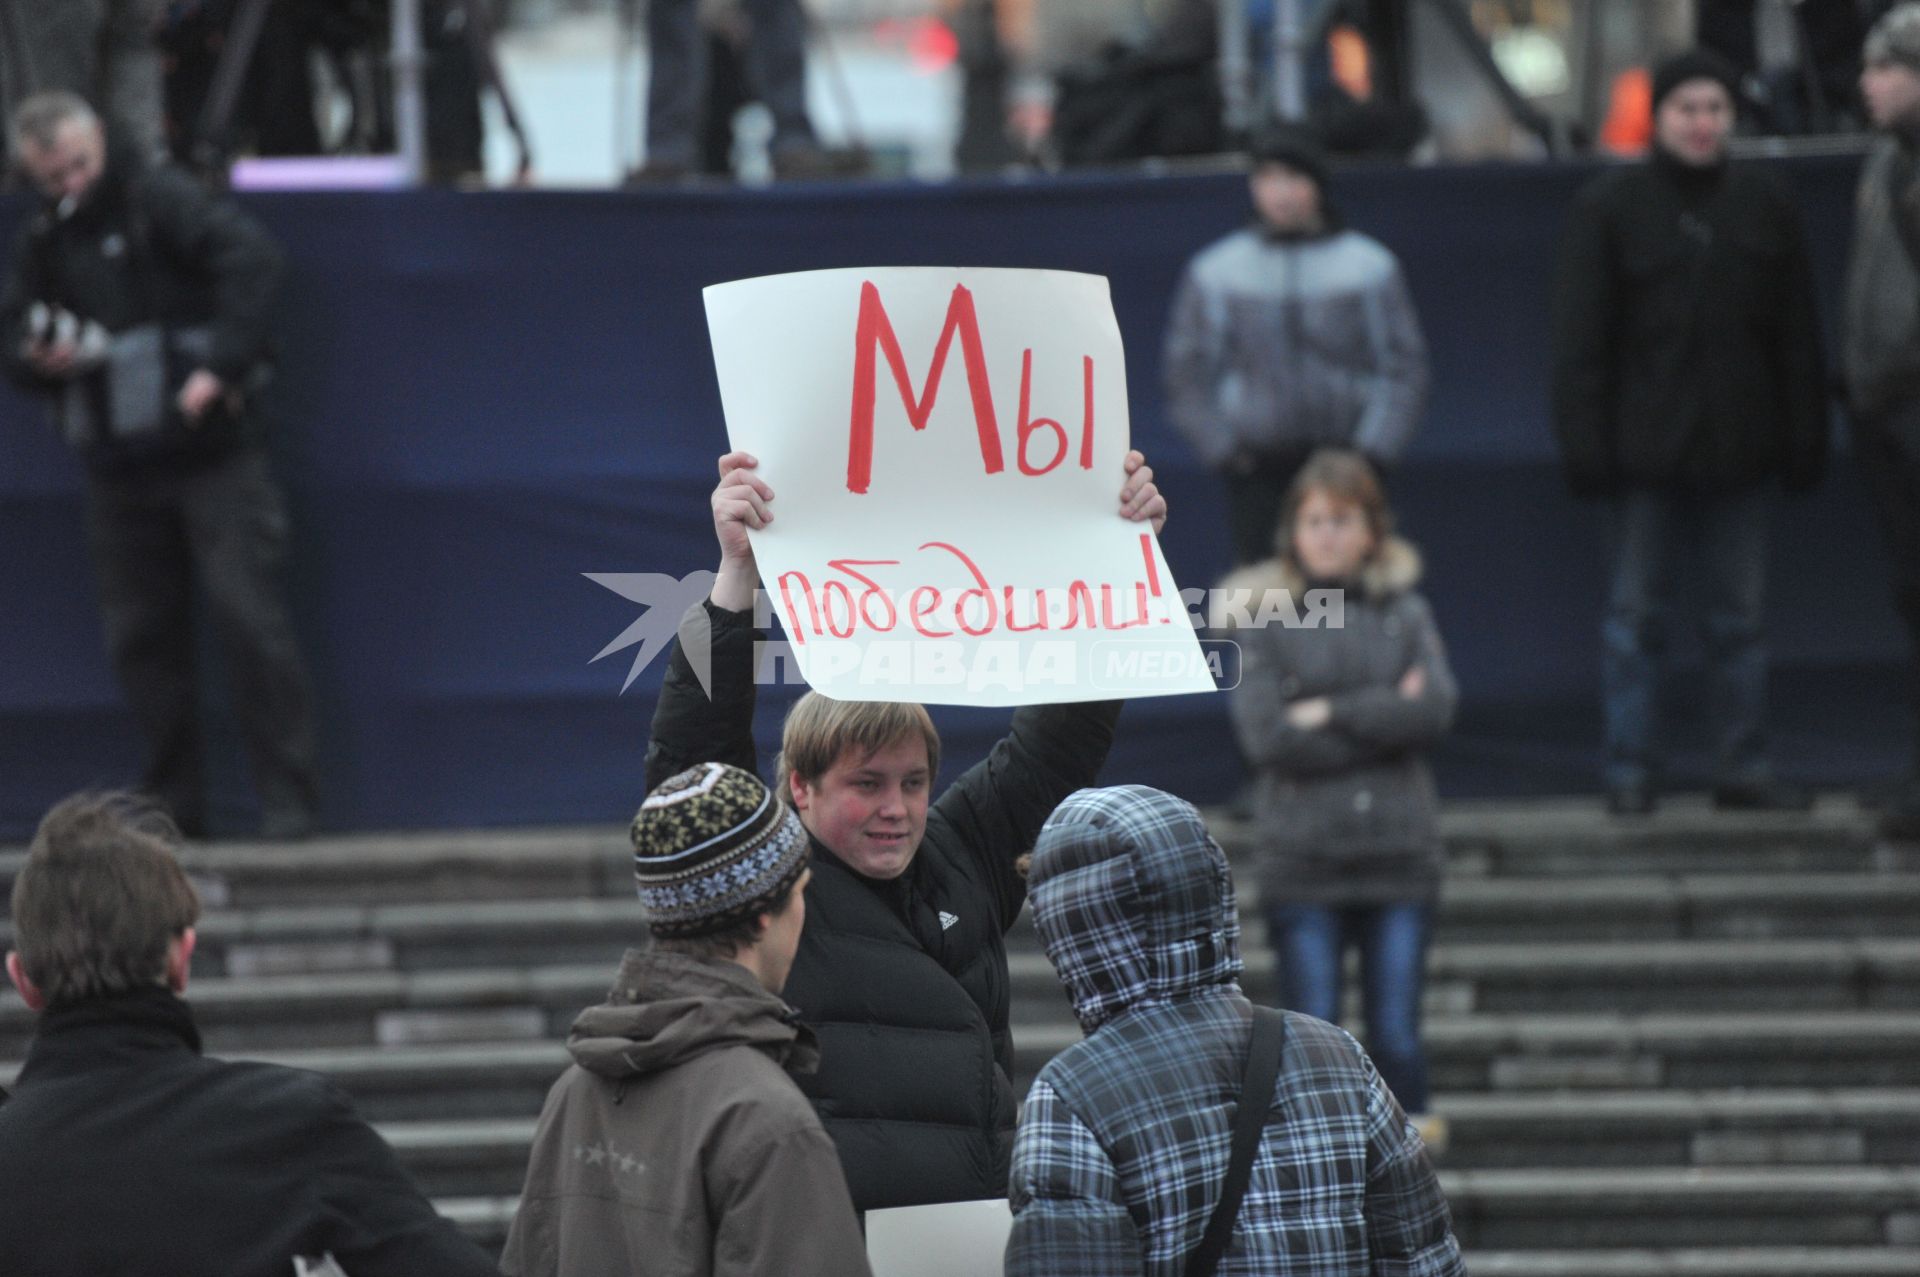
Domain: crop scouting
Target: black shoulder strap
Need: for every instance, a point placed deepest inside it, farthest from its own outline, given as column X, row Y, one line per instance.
column 1249, row 1122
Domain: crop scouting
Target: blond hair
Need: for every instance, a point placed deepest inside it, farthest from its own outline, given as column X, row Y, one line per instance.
column 819, row 731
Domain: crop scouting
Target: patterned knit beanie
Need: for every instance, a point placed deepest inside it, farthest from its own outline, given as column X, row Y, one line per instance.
column 712, row 848
column 1896, row 38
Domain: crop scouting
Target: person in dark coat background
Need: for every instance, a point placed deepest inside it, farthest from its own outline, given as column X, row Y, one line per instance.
column 1687, row 377
column 902, row 969
column 126, row 1151
column 179, row 490
column 1882, row 343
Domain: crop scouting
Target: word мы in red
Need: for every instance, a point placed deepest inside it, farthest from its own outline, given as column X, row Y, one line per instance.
column 873, row 334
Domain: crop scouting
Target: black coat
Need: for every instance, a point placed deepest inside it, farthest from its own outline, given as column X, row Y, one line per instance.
column 911, row 1009
column 152, row 245
column 1686, row 336
column 125, row 1151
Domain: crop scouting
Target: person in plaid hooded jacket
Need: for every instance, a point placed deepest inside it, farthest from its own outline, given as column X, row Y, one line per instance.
column 1123, row 1145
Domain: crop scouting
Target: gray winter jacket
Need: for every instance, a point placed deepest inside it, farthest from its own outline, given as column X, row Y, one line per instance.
column 1281, row 346
column 677, row 1144
column 1346, row 812
column 1882, row 342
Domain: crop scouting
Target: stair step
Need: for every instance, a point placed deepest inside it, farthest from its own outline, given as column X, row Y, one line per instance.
column 1529, row 1209
column 289, row 939
column 1471, row 1054
column 1555, row 838
column 264, row 1012
column 1869, row 1213
column 1625, row 976
column 488, row 1157
column 439, row 1084
column 1681, row 1128
column 491, row 864
column 479, row 1157
column 1698, row 1051
column 346, row 1009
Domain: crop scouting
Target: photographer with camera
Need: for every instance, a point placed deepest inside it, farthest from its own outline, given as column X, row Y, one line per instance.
column 138, row 306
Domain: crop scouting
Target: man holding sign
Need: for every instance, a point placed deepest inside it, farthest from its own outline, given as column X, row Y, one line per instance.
column 902, row 969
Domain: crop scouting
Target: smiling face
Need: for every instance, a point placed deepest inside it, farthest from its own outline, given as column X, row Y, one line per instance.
column 1693, row 121
column 870, row 809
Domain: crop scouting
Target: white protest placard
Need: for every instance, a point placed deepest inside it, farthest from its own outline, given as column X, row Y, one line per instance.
column 952, row 1239
column 946, row 451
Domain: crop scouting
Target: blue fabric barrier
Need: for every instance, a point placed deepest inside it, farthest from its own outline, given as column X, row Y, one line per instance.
column 485, row 396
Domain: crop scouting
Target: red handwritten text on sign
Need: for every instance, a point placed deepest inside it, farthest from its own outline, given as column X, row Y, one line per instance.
column 862, row 597
column 874, row 336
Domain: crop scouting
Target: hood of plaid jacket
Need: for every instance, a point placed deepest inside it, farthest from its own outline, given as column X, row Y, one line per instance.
column 1133, row 901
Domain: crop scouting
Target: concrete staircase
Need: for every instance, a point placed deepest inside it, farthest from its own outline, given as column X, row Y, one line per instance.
column 1684, row 1045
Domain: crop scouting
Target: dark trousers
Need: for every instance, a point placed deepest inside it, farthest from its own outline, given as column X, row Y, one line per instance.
column 1311, row 942
column 1256, row 491
column 155, row 533
column 1830, row 32
column 1725, row 537
column 1889, row 453
column 776, row 72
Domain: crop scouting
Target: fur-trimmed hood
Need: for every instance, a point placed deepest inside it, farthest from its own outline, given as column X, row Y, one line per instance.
column 1396, row 569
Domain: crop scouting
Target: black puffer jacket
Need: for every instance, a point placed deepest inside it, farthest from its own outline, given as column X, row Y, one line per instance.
column 151, row 245
column 1686, row 336
column 904, row 982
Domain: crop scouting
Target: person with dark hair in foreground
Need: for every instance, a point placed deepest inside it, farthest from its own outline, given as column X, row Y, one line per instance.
column 676, row 1143
column 124, row 1150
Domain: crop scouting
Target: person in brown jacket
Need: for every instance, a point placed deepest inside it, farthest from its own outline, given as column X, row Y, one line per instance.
column 676, row 1143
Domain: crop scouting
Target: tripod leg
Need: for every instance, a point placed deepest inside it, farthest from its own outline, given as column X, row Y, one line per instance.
column 236, row 59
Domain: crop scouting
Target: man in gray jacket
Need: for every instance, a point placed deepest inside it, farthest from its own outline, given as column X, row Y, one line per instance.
column 676, row 1143
column 1882, row 349
column 1289, row 335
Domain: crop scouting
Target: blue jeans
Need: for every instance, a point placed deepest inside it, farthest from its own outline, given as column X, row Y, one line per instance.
column 1725, row 536
column 1311, row 941
column 776, row 66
